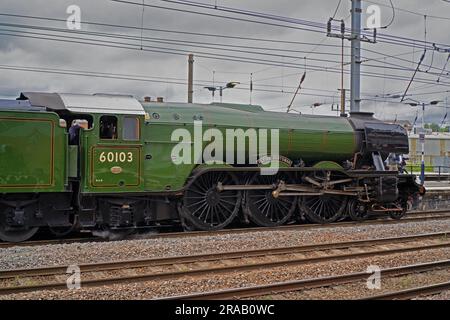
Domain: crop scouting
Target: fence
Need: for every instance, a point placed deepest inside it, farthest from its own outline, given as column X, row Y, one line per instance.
column 437, row 173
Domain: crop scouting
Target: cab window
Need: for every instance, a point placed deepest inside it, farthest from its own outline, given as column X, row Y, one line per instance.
column 130, row 128
column 108, row 127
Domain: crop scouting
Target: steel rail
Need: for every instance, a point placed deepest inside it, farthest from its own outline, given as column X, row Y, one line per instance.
column 140, row 263
column 223, row 269
column 33, row 243
column 412, row 293
column 296, row 285
column 439, row 215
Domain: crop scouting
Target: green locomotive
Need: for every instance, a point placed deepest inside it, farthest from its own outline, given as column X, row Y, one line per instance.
column 111, row 162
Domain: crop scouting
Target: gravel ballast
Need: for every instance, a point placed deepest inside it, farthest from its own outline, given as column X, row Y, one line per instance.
column 184, row 285
column 359, row 289
column 94, row 252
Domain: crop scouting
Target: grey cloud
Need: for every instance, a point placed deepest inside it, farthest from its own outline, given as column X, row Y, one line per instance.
column 31, row 52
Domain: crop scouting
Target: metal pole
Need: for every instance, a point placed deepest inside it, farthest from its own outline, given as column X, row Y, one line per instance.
column 191, row 78
column 342, row 82
column 446, row 109
column 422, row 166
column 356, row 56
column 251, row 87
column 214, row 84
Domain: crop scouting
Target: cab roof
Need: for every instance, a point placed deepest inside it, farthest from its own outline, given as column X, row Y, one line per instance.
column 85, row 103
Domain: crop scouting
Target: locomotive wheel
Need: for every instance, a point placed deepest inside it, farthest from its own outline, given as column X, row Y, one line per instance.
column 263, row 208
column 357, row 211
column 16, row 235
column 185, row 224
column 61, row 231
column 64, row 231
column 323, row 209
column 397, row 215
column 207, row 208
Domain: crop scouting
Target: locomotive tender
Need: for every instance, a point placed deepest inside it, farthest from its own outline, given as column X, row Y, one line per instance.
column 118, row 170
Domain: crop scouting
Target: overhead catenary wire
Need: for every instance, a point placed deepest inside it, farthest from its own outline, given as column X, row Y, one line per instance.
column 322, row 60
column 396, row 42
column 397, row 57
column 194, row 44
column 327, row 68
column 137, row 77
column 215, row 56
column 252, row 14
column 119, row 76
column 171, row 31
column 414, row 74
column 365, row 58
column 337, row 9
column 390, row 22
column 192, row 3
column 393, row 17
column 141, row 78
column 178, row 42
column 401, row 103
column 94, row 41
column 92, row 74
column 156, row 39
column 443, row 69
column 275, row 17
column 391, row 39
column 102, row 24
column 296, row 92
column 408, row 11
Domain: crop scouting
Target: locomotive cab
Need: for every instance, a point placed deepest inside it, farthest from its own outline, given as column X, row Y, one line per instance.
column 100, row 153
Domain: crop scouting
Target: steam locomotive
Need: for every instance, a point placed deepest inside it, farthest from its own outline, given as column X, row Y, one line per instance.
column 110, row 162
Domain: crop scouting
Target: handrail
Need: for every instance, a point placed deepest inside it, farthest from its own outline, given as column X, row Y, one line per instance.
column 441, row 172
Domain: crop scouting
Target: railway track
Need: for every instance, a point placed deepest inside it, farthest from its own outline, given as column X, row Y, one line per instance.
column 411, row 217
column 238, row 261
column 290, row 286
column 412, row 293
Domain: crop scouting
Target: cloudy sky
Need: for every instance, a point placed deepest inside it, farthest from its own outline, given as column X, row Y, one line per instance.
column 105, row 48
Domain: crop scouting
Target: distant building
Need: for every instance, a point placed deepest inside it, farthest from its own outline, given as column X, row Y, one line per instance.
column 437, row 147
column 437, row 150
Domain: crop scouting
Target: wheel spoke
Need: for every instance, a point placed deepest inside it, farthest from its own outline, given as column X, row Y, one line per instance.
column 264, row 209
column 222, row 214
column 192, row 197
column 205, row 206
column 324, row 208
column 196, row 203
column 196, row 191
column 228, row 202
column 224, row 207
